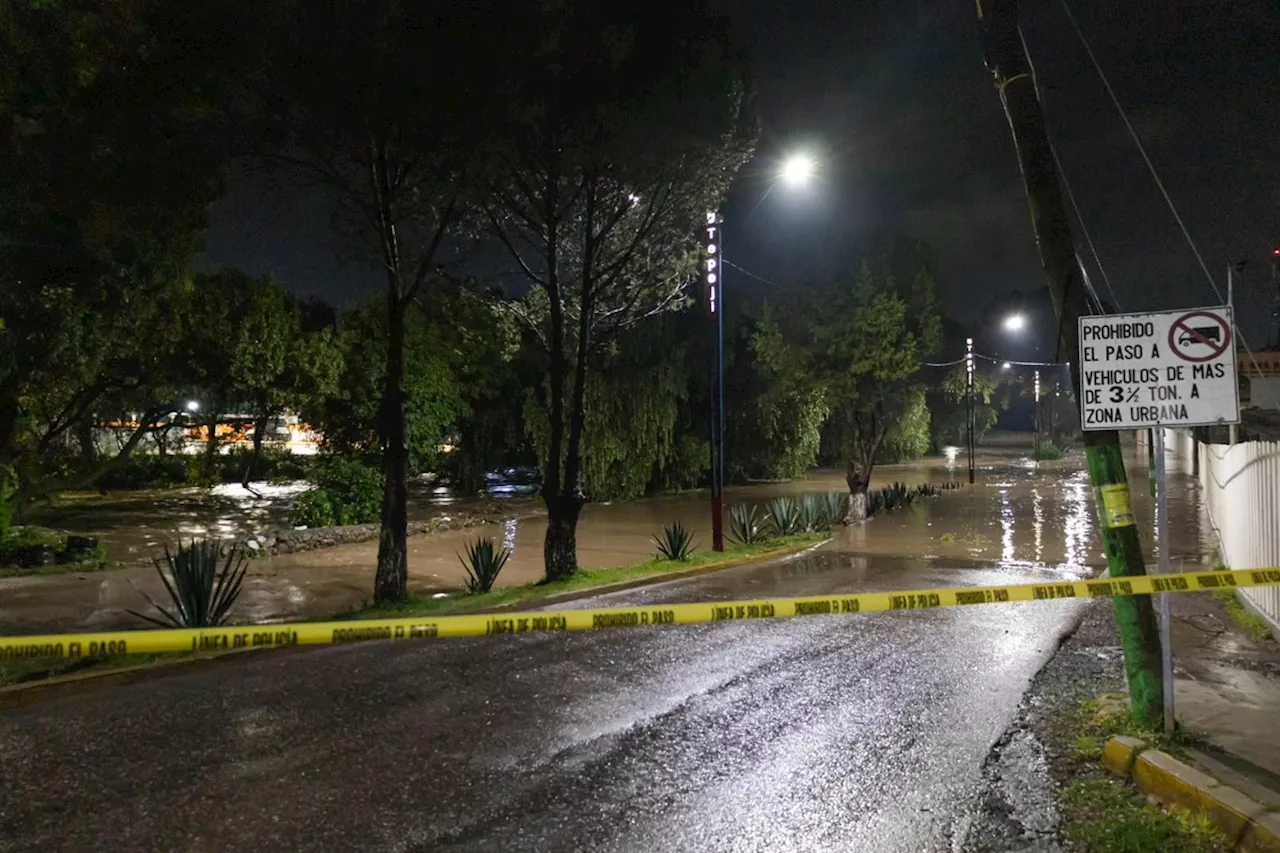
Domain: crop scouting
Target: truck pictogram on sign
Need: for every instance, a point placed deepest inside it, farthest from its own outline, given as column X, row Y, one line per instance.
column 1199, row 336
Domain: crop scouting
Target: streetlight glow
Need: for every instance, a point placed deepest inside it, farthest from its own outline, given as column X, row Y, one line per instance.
column 1015, row 323
column 797, row 169
column 1006, row 365
column 193, row 406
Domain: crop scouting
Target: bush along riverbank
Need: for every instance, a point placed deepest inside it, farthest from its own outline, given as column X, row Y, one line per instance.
column 31, row 550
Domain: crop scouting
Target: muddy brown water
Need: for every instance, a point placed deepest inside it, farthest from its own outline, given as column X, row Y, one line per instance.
column 1017, row 514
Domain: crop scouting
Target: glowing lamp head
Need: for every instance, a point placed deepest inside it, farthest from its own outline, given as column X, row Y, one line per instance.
column 797, row 170
column 193, row 406
column 1015, row 323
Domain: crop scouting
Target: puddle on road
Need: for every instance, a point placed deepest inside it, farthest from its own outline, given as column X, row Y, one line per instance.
column 1017, row 516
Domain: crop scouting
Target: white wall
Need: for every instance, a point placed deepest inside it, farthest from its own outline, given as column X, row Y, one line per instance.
column 1241, row 488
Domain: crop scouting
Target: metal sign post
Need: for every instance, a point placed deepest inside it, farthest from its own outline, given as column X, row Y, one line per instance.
column 1162, row 543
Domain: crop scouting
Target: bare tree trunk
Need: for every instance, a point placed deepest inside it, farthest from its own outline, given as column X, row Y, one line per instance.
column 259, row 428
column 560, row 550
column 392, row 580
column 858, row 482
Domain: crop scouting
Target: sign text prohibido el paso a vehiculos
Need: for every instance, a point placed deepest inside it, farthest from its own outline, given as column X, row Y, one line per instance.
column 1174, row 368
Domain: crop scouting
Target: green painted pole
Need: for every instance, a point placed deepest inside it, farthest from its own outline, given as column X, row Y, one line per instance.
column 1007, row 58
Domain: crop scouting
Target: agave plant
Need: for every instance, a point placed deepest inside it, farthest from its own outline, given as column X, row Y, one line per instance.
column 202, row 586
column 784, row 516
column 813, row 514
column 875, row 502
column 483, row 563
column 676, row 543
column 745, row 525
column 837, row 506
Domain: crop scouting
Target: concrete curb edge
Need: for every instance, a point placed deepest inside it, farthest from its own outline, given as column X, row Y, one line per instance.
column 1246, row 822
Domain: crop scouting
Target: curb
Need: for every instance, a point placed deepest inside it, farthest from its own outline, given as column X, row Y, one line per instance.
column 25, row 693
column 1247, row 823
column 651, row 580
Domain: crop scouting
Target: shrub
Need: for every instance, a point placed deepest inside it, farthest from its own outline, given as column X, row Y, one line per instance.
column 1047, row 451
column 313, row 508
column 8, row 486
column 483, row 563
column 676, row 543
column 152, row 471
column 813, row 514
column 837, row 506
column 202, row 594
column 354, row 490
column 745, row 525
column 784, row 516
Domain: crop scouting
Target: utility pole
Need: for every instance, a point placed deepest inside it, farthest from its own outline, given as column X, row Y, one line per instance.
column 1233, row 431
column 1275, row 287
column 1007, row 59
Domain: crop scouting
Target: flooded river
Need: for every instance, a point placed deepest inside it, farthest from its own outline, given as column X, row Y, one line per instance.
column 1017, row 514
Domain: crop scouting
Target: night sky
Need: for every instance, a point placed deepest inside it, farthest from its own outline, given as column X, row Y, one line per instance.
column 894, row 99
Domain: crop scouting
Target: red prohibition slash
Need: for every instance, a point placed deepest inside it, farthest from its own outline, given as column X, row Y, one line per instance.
column 1182, row 333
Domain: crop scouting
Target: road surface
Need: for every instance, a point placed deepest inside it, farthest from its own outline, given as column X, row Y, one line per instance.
column 840, row 733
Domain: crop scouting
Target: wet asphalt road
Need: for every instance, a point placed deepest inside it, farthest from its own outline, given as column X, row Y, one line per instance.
column 844, row 733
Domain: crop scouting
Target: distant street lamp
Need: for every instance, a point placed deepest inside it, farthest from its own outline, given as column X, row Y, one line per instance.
column 193, row 406
column 795, row 171
column 1015, row 323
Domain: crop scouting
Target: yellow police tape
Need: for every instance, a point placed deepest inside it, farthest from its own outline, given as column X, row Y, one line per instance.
column 74, row 646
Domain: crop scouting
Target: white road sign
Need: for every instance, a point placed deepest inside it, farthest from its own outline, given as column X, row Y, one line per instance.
column 1175, row 368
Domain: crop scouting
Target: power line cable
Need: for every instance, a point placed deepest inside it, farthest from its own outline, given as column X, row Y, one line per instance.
column 750, row 274
column 1159, row 183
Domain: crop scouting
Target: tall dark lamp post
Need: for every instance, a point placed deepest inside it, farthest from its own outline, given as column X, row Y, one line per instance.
column 713, row 289
column 795, row 171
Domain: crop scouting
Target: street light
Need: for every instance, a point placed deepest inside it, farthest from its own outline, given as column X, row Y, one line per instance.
column 1015, row 323
column 796, row 171
column 193, row 406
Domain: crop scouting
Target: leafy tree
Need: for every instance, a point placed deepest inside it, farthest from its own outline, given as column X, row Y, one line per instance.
column 774, row 423
column 948, row 404
column 908, row 436
column 861, row 341
column 624, row 126
column 632, row 442
column 110, row 145
column 455, row 345
column 381, row 105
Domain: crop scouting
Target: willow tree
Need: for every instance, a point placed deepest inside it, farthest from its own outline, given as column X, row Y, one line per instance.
column 642, row 389
column 626, row 124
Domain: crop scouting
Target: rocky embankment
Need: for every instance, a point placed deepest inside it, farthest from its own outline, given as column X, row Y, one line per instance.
column 289, row 541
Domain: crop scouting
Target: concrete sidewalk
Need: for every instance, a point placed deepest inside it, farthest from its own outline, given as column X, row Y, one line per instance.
column 1227, row 693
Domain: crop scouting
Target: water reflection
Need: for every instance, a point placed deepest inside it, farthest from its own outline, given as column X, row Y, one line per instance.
column 1037, row 522
column 1006, row 525
column 1078, row 525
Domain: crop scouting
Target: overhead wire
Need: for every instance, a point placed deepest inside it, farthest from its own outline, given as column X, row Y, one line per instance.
column 1066, row 7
